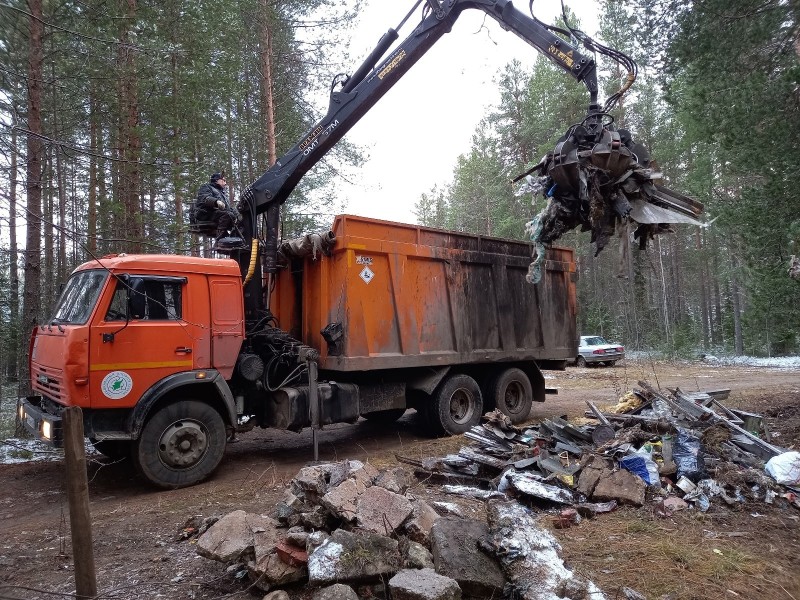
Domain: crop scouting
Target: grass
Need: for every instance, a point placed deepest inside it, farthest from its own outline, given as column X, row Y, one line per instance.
column 679, row 557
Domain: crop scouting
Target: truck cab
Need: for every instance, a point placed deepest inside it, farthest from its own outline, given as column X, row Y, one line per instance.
column 130, row 336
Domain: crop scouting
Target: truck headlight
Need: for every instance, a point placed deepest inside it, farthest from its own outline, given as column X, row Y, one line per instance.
column 47, row 430
column 21, row 412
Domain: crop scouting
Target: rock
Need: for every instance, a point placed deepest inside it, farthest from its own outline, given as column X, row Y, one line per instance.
column 423, row 584
column 316, row 539
column 422, row 519
column 456, row 555
column 233, row 537
column 297, row 536
column 266, row 568
column 395, row 480
column 673, row 503
column 309, row 480
column 316, row 518
column 342, row 500
column 381, row 511
column 352, row 556
column 417, row 556
column 276, row 595
column 622, row 486
column 337, row 591
column 447, row 508
column 590, row 475
column 269, row 571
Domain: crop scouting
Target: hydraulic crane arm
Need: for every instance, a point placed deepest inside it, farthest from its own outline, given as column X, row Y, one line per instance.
column 373, row 79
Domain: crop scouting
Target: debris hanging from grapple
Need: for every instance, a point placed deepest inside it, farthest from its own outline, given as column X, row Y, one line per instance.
column 597, row 178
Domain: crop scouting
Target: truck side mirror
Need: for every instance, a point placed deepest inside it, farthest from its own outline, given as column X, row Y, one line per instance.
column 137, row 298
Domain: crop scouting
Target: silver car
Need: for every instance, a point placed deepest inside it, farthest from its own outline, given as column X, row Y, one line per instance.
column 594, row 349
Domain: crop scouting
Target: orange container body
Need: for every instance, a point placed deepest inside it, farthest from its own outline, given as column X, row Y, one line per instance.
column 412, row 296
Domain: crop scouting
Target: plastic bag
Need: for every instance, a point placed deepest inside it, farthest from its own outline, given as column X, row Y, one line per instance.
column 643, row 466
column 785, row 468
column 687, row 456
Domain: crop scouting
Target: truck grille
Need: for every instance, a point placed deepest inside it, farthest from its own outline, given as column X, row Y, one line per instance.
column 47, row 381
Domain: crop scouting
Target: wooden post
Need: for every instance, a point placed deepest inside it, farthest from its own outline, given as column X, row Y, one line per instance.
column 78, row 499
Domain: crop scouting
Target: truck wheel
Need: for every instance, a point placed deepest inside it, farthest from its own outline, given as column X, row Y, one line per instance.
column 456, row 406
column 385, row 416
column 180, row 445
column 512, row 394
column 114, row 449
column 580, row 362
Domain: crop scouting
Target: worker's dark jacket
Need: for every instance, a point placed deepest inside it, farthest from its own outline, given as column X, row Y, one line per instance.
column 205, row 205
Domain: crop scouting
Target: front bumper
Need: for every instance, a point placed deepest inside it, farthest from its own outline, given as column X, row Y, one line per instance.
column 599, row 358
column 38, row 422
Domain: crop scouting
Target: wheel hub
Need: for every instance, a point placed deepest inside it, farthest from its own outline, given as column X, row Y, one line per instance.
column 461, row 406
column 182, row 444
column 514, row 396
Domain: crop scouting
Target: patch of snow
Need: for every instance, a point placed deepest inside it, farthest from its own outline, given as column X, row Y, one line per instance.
column 471, row 492
column 323, row 561
column 17, row 450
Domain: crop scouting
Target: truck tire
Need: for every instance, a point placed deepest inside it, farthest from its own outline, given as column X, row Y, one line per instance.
column 114, row 449
column 181, row 444
column 512, row 394
column 456, row 406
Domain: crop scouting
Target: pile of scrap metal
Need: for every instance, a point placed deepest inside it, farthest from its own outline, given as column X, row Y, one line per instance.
column 598, row 178
column 678, row 450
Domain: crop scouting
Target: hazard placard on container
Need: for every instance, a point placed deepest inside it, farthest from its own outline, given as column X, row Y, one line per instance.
column 366, row 274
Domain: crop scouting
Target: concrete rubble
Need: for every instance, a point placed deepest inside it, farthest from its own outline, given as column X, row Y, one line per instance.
column 371, row 531
column 350, row 531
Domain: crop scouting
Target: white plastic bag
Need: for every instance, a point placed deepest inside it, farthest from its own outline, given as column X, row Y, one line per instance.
column 785, row 468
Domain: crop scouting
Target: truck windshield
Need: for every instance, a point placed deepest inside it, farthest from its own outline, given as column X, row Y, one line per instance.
column 79, row 297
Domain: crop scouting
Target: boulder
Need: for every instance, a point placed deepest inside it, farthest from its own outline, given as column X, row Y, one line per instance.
column 337, row 591
column 395, row 480
column 309, row 480
column 456, row 554
column 266, row 568
column 277, row 595
column 421, row 521
column 381, row 511
column 417, row 556
column 622, row 486
column 423, row 584
column 590, row 475
column 352, row 556
column 342, row 500
column 233, row 537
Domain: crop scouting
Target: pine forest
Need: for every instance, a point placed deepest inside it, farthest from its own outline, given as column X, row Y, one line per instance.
column 113, row 112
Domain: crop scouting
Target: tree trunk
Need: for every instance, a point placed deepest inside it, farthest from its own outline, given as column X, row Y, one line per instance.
column 704, row 300
column 13, row 268
column 33, row 184
column 91, row 225
column 267, row 99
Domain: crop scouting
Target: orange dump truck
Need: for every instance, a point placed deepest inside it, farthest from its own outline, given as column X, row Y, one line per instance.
column 159, row 353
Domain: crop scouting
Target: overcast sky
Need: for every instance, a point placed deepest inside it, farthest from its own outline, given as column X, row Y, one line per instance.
column 415, row 133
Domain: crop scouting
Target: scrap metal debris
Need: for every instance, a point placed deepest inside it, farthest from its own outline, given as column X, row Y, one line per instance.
column 600, row 179
column 677, row 449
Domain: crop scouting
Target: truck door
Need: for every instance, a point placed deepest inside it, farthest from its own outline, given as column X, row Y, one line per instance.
column 140, row 337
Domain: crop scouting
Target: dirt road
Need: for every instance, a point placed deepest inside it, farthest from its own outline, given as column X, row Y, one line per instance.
column 135, row 527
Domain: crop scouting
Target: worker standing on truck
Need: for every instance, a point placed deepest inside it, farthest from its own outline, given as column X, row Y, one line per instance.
column 212, row 205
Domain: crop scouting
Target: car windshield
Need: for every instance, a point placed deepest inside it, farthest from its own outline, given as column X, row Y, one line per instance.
column 594, row 341
column 79, row 297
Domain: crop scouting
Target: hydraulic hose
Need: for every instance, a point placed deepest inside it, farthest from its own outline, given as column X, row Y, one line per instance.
column 253, row 257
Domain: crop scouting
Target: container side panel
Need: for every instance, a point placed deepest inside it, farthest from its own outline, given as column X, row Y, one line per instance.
column 427, row 280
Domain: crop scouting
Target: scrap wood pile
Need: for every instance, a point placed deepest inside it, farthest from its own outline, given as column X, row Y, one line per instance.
column 678, row 450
